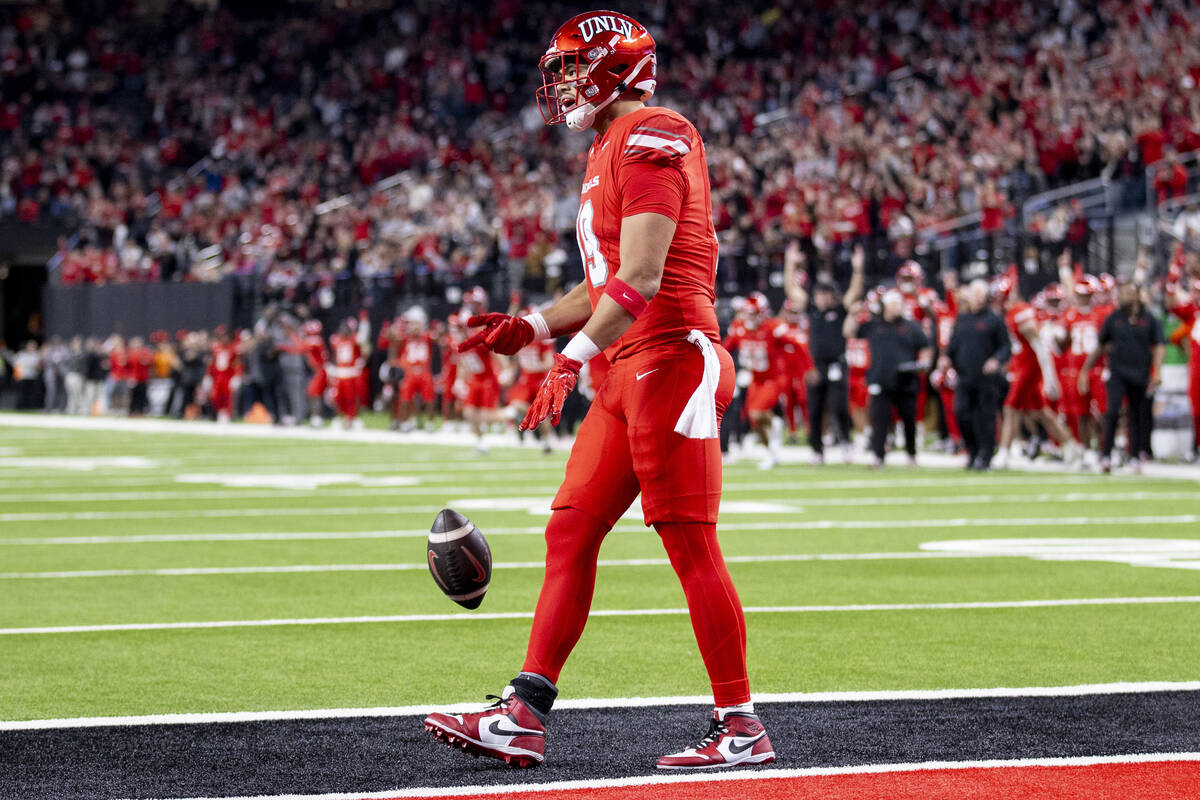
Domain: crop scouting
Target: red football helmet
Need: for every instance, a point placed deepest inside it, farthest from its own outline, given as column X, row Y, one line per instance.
column 757, row 304
column 476, row 299
column 910, row 271
column 599, row 56
column 1086, row 287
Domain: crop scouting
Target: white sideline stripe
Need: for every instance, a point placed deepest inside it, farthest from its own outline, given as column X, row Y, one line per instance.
column 728, row 777
column 217, row 513
column 236, row 493
column 1079, row 690
column 611, row 612
column 780, row 526
column 171, row 572
column 798, row 484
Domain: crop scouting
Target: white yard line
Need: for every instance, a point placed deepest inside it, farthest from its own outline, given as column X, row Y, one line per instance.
column 1078, row 690
column 421, row 567
column 780, row 526
column 237, row 493
column 615, row 612
column 730, row 777
column 26, row 425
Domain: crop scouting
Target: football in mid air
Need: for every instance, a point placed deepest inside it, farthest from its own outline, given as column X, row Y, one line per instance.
column 459, row 558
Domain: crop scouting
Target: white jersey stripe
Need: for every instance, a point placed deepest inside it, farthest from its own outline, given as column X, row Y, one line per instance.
column 657, row 143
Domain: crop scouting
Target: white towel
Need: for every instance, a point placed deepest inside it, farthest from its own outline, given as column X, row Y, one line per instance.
column 699, row 417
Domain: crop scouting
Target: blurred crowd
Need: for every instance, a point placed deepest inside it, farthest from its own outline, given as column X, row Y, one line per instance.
column 256, row 145
column 986, row 370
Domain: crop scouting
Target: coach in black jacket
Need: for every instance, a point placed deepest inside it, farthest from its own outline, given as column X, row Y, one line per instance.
column 899, row 354
column 978, row 350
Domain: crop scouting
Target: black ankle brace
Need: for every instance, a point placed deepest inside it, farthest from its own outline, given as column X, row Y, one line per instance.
column 536, row 692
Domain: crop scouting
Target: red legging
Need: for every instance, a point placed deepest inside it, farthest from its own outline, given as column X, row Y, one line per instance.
column 572, row 546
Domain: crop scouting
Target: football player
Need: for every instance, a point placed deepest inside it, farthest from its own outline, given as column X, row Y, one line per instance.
column 317, row 358
column 348, row 363
column 413, row 348
column 454, row 335
column 1185, row 304
column 1081, row 335
column 479, row 371
column 535, row 362
column 649, row 250
column 1033, row 382
column 756, row 337
column 224, row 369
column 795, row 365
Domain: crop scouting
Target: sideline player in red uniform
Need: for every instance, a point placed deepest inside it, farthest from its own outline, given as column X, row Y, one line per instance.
column 757, row 339
column 649, row 249
column 535, row 362
column 920, row 304
column 795, row 364
column 453, row 336
column 413, row 353
column 224, row 372
column 479, row 371
column 348, row 365
column 1081, row 324
column 1186, row 306
column 858, row 363
column 317, row 357
column 1034, row 382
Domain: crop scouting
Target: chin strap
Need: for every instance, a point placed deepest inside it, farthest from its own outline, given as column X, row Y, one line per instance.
column 581, row 117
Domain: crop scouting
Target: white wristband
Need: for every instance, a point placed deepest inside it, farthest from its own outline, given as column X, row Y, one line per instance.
column 541, row 331
column 581, row 348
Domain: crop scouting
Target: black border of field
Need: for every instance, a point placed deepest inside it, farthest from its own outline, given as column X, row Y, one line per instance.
column 376, row 754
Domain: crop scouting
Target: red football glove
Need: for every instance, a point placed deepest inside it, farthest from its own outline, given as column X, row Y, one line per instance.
column 501, row 334
column 551, row 395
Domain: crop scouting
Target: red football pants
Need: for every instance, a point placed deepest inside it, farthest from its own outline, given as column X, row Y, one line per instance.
column 572, row 546
column 627, row 444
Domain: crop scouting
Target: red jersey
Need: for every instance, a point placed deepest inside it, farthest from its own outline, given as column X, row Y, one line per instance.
column 947, row 315
column 140, row 361
column 313, row 348
column 224, row 363
column 759, row 348
column 1024, row 359
column 532, row 358
column 347, row 356
column 858, row 356
column 1083, row 335
column 652, row 160
column 916, row 303
column 477, row 363
column 794, row 357
column 414, row 353
column 119, row 366
column 1189, row 314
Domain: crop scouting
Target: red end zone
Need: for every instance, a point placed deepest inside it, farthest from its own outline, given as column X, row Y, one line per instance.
column 1165, row 780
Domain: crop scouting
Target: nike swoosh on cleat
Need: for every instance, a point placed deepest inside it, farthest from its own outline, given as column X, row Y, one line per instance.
column 499, row 730
column 641, row 375
column 734, row 749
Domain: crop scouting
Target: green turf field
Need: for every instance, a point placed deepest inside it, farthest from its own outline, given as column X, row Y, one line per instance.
column 154, row 502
